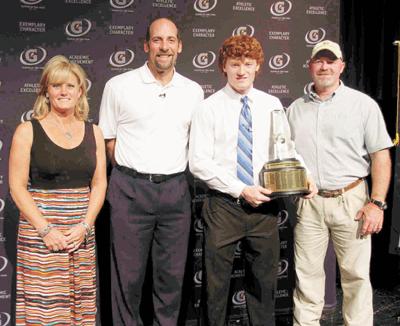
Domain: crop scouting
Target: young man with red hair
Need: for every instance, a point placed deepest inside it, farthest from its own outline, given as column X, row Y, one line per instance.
column 229, row 143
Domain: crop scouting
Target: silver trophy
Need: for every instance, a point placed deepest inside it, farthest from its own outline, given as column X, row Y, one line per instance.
column 284, row 175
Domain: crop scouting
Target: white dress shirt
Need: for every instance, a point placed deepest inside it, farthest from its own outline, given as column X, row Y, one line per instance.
column 149, row 121
column 214, row 137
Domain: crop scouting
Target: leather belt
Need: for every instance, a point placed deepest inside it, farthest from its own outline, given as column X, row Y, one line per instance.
column 335, row 193
column 267, row 208
column 237, row 201
column 154, row 178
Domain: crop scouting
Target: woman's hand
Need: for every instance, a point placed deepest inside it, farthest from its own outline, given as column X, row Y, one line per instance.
column 55, row 240
column 75, row 236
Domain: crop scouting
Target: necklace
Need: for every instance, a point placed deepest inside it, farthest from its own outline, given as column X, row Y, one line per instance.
column 67, row 133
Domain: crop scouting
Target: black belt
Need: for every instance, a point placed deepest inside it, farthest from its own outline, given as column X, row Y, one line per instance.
column 272, row 207
column 154, row 178
column 237, row 201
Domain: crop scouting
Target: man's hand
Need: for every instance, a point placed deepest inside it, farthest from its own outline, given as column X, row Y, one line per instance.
column 312, row 187
column 372, row 217
column 255, row 195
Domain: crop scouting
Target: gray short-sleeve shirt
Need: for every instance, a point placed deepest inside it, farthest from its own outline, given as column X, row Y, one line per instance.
column 336, row 136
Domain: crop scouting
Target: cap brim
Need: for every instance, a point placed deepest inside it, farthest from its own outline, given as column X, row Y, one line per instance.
column 325, row 53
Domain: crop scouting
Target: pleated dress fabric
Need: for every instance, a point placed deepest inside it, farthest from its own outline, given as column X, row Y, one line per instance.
column 57, row 288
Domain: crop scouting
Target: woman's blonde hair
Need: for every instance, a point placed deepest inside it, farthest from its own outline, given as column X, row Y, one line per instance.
column 57, row 70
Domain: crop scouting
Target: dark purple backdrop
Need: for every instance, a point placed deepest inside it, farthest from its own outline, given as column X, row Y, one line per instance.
column 106, row 38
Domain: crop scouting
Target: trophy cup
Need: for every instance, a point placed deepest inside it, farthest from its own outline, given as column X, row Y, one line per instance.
column 284, row 175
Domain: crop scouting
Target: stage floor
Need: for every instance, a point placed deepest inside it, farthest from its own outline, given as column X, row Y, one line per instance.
column 386, row 310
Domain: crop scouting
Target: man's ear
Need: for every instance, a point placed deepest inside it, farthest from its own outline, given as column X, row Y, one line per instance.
column 343, row 66
column 180, row 46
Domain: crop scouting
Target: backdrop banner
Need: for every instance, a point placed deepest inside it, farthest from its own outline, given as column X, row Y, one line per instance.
column 106, row 38
column 395, row 226
column 394, row 247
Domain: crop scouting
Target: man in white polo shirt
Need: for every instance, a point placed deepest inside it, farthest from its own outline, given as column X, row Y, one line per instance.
column 341, row 134
column 145, row 116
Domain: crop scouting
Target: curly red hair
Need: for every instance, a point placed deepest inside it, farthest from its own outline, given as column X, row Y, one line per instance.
column 238, row 47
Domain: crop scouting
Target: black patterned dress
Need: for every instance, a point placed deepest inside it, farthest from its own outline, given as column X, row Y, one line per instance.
column 57, row 288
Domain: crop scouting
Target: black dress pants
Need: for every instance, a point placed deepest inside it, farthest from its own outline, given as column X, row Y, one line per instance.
column 148, row 218
column 226, row 222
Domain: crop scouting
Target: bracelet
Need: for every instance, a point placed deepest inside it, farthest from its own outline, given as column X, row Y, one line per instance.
column 46, row 230
column 87, row 227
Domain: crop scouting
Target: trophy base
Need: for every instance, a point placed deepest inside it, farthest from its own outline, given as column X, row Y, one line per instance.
column 284, row 178
column 277, row 194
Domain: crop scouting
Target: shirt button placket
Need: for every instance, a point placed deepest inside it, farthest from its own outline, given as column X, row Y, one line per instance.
column 319, row 142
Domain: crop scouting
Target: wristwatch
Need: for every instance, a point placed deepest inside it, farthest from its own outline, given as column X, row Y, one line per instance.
column 381, row 204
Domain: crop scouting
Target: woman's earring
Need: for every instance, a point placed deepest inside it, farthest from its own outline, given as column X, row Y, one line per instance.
column 47, row 98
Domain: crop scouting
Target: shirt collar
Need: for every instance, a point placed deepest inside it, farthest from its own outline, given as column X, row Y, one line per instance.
column 236, row 96
column 313, row 96
column 148, row 77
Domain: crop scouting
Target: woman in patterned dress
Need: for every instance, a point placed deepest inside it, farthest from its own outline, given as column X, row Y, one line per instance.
column 57, row 176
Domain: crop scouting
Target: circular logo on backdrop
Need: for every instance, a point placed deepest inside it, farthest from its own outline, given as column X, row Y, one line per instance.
column 78, row 28
column 121, row 4
column 4, row 318
column 238, row 248
column 198, row 225
column 283, row 266
column 204, row 5
column 3, row 265
column 33, row 56
column 26, row 116
column 243, row 30
column 1, row 205
column 283, row 216
column 121, row 58
column 1, row 146
column 204, row 59
column 307, row 88
column 88, row 85
column 280, row 8
column 279, row 61
column 315, row 36
column 239, row 298
column 30, row 2
column 198, row 277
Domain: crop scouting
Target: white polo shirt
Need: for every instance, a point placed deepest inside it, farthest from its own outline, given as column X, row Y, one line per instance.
column 149, row 121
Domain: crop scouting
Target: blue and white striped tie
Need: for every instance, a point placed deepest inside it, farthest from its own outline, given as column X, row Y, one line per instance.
column 245, row 145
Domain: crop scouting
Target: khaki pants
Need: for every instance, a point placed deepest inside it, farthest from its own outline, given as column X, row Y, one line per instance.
column 317, row 219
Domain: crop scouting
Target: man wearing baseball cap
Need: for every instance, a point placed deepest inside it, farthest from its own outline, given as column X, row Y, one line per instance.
column 329, row 48
column 341, row 134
